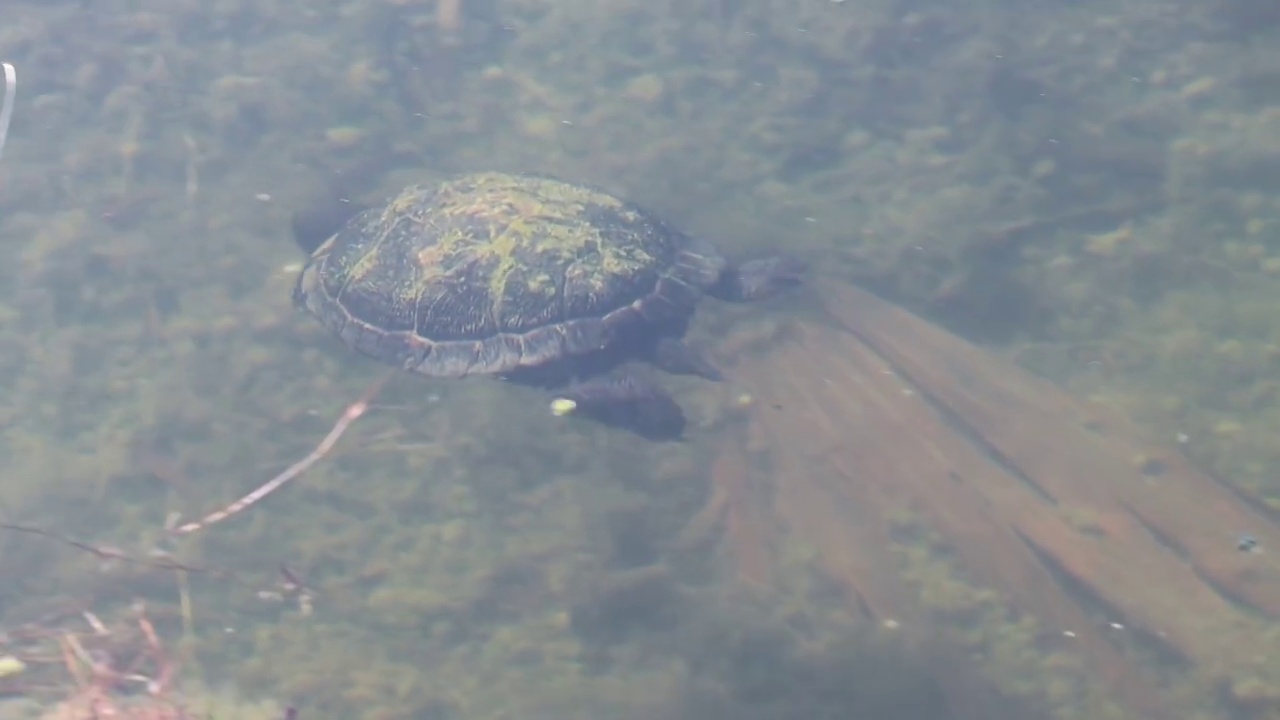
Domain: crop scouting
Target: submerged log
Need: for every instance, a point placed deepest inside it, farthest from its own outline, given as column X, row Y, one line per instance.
column 1057, row 504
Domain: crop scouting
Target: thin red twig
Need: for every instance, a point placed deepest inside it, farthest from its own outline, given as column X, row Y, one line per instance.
column 349, row 416
column 158, row 560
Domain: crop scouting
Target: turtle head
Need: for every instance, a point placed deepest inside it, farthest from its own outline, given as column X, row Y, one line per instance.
column 760, row 279
column 321, row 218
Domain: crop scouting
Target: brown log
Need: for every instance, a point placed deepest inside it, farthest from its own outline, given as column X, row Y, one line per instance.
column 1162, row 550
column 1058, row 504
column 852, row 444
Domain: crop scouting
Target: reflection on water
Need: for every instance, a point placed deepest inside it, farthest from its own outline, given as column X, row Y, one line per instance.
column 1088, row 189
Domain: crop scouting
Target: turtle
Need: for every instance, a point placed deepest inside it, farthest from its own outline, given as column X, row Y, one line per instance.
column 528, row 278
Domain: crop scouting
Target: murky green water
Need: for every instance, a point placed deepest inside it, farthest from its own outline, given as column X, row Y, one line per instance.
column 1092, row 188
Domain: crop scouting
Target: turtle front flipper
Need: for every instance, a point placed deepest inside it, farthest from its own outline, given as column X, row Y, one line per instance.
column 626, row 401
column 759, row 279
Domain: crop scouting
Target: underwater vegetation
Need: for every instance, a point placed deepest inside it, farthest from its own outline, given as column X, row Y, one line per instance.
column 1087, row 189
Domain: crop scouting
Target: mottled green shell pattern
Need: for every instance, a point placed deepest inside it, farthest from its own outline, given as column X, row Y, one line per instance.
column 490, row 272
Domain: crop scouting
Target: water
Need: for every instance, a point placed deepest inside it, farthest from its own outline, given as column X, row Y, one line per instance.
column 1089, row 188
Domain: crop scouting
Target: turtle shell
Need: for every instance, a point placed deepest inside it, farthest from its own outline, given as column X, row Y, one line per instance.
column 490, row 272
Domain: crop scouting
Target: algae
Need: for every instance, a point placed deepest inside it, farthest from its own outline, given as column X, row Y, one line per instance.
column 1089, row 187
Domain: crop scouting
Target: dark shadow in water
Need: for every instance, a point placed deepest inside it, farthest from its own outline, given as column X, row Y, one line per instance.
column 746, row 665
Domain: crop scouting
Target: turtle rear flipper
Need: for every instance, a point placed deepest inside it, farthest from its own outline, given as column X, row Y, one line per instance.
column 626, row 401
column 322, row 217
column 759, row 279
column 678, row 358
column 327, row 209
